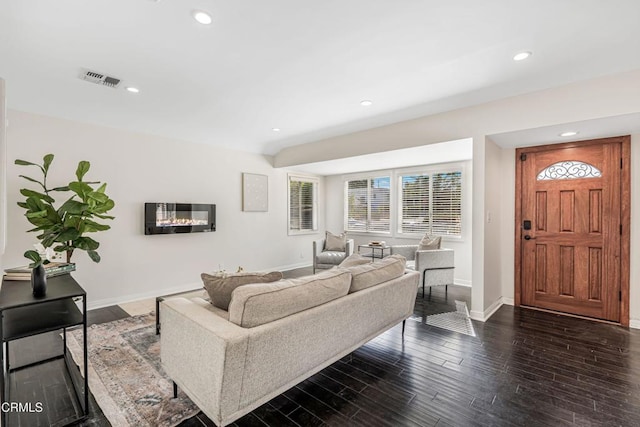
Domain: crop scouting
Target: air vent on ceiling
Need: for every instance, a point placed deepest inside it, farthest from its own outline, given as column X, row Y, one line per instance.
column 100, row 78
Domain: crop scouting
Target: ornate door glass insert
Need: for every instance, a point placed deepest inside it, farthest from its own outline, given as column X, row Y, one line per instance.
column 571, row 169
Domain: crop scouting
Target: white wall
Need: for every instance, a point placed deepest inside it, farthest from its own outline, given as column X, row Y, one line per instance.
column 334, row 199
column 142, row 168
column 507, row 225
column 492, row 226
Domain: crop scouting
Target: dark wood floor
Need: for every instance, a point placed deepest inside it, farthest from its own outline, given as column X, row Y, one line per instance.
column 524, row 367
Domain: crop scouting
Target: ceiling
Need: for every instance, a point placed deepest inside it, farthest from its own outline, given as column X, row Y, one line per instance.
column 300, row 66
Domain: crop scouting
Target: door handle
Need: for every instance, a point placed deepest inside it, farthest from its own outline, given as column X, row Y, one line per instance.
column 527, row 237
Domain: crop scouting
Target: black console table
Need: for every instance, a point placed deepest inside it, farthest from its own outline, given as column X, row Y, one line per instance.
column 22, row 315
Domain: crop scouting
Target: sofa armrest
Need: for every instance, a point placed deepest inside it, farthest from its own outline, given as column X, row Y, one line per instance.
column 434, row 259
column 318, row 246
column 350, row 246
column 204, row 354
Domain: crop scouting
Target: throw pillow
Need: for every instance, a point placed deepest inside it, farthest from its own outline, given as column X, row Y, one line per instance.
column 333, row 242
column 429, row 242
column 374, row 273
column 220, row 285
column 355, row 259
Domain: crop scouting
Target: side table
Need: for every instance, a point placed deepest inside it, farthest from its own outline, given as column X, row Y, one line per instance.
column 373, row 249
column 22, row 315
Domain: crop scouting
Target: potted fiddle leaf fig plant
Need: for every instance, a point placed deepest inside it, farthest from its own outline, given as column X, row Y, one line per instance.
column 65, row 228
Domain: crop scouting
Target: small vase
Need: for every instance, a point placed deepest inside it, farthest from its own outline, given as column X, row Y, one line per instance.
column 39, row 281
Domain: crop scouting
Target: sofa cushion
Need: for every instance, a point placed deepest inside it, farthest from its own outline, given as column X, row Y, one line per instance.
column 220, row 285
column 335, row 242
column 330, row 257
column 254, row 305
column 429, row 242
column 367, row 275
column 355, row 259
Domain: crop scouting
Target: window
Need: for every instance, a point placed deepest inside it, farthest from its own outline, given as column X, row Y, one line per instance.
column 431, row 203
column 303, row 204
column 415, row 214
column 571, row 169
column 368, row 205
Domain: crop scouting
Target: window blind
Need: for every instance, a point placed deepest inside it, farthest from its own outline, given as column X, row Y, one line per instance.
column 302, row 205
column 415, row 214
column 431, row 203
column 368, row 204
column 447, row 203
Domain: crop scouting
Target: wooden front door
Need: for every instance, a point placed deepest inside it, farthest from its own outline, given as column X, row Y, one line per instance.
column 571, row 228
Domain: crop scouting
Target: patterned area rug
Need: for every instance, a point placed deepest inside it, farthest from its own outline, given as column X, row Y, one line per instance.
column 125, row 375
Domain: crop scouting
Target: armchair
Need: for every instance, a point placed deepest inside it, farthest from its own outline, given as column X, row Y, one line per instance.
column 435, row 265
column 326, row 259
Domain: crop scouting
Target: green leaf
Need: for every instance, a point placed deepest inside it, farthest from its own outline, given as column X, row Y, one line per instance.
column 72, row 221
column 104, row 207
column 102, row 188
column 83, row 168
column 30, row 193
column 68, row 234
column 23, row 205
column 25, row 163
column 38, row 214
column 33, row 256
column 85, row 243
column 52, row 215
column 32, row 180
column 73, row 207
column 100, row 197
column 81, row 189
column 47, row 159
column 94, row 256
column 65, row 188
column 34, row 204
column 104, row 216
column 92, row 227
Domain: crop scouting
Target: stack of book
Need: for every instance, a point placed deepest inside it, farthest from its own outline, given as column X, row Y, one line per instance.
column 52, row 269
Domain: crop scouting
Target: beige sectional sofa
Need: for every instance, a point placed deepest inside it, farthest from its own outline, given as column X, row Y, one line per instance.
column 278, row 334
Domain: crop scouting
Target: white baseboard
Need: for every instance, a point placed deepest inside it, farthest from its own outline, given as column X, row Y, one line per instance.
column 634, row 323
column 483, row 316
column 142, row 295
column 291, row 266
column 460, row 282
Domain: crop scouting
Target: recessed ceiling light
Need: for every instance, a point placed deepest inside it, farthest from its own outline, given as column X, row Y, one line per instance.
column 366, row 103
column 521, row 56
column 202, row 17
column 276, row 129
column 569, row 133
column 132, row 89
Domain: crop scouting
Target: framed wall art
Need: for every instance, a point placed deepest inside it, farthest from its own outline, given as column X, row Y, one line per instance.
column 255, row 192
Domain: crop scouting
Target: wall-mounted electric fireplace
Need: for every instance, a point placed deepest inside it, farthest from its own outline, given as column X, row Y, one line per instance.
column 170, row 218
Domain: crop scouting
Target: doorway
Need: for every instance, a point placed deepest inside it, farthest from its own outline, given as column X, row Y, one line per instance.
column 572, row 228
